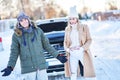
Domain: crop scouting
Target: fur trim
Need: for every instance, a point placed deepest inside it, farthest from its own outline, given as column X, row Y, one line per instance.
column 19, row 32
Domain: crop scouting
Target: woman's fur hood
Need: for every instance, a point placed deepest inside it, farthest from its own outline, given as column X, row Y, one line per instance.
column 19, row 32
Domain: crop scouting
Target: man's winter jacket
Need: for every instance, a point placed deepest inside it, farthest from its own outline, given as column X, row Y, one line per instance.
column 31, row 55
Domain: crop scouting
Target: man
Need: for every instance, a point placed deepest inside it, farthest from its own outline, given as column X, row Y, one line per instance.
column 29, row 43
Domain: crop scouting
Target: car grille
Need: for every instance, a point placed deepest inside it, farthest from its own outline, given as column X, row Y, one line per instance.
column 55, row 67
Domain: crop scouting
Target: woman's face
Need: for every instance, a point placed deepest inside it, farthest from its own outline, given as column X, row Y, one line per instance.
column 24, row 23
column 73, row 20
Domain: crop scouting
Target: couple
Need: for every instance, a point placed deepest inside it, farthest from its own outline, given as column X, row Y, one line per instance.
column 28, row 42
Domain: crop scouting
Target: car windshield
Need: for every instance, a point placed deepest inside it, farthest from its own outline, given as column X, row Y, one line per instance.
column 55, row 26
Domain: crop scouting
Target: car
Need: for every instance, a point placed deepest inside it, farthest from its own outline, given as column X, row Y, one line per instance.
column 54, row 31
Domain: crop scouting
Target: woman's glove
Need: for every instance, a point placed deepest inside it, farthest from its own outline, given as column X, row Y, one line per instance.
column 7, row 71
column 77, row 48
column 68, row 50
column 81, row 49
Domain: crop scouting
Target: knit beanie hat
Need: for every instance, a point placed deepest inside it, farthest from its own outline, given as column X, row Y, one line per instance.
column 21, row 16
column 73, row 12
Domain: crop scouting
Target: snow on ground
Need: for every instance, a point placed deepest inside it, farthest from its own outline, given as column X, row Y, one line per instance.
column 6, row 41
column 105, row 50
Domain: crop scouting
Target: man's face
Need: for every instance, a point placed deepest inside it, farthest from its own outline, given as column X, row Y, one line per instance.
column 24, row 23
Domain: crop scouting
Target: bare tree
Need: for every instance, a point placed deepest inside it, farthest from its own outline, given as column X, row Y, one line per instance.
column 7, row 7
column 24, row 5
column 112, row 4
column 6, row 4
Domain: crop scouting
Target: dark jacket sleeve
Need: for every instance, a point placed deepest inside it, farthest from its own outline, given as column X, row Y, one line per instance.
column 47, row 46
column 14, row 51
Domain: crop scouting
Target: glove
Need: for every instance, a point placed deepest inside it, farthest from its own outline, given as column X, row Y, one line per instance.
column 68, row 50
column 62, row 58
column 7, row 71
column 82, row 49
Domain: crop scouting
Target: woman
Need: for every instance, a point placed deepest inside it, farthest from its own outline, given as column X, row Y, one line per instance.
column 77, row 41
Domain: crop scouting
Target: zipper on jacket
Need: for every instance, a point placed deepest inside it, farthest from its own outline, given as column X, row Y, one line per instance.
column 30, row 51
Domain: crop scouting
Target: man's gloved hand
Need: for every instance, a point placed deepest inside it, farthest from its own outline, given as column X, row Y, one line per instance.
column 62, row 58
column 7, row 71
